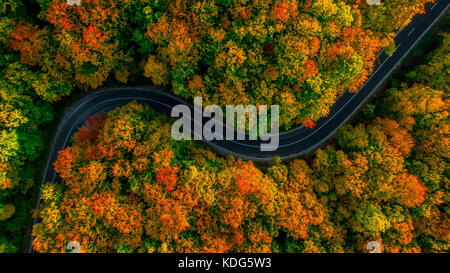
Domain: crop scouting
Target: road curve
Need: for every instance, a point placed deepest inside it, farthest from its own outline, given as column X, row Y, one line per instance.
column 293, row 143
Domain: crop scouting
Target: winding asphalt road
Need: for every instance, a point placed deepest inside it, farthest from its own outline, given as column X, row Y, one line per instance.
column 293, row 143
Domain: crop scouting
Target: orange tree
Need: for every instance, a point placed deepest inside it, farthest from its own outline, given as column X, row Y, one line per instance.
column 298, row 54
column 130, row 187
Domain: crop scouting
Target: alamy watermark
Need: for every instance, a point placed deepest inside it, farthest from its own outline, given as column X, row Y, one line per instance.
column 73, row 247
column 373, row 247
column 73, row 2
column 374, row 2
column 235, row 126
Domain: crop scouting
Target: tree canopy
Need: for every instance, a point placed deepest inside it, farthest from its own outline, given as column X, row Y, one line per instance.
column 385, row 178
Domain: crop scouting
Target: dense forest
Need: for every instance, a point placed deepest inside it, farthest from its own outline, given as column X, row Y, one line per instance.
column 129, row 187
column 299, row 54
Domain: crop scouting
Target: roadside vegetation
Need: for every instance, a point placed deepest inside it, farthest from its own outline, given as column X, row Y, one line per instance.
column 129, row 187
column 299, row 54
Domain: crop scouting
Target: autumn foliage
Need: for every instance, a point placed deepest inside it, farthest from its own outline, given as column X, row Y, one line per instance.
column 129, row 188
column 139, row 193
column 297, row 53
